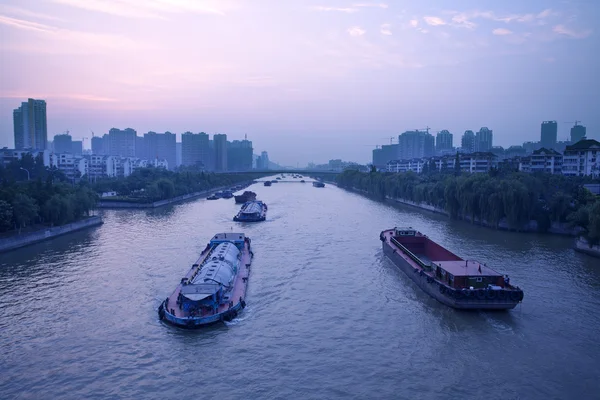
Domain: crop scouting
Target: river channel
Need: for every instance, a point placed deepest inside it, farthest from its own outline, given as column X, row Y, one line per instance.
column 328, row 316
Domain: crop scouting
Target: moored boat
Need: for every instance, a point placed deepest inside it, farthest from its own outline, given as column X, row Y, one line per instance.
column 455, row 282
column 246, row 196
column 252, row 211
column 227, row 194
column 318, row 184
column 268, row 183
column 214, row 288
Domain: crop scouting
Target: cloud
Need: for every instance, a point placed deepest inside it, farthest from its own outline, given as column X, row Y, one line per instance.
column 414, row 22
column 385, row 29
column 502, row 31
column 464, row 19
column 339, row 9
column 145, row 8
column 378, row 5
column 87, row 40
column 17, row 11
column 434, row 21
column 563, row 30
column 356, row 31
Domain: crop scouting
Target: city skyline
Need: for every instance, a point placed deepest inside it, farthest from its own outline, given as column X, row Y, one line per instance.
column 341, row 74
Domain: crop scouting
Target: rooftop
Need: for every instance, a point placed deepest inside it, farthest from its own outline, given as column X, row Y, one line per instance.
column 584, row 144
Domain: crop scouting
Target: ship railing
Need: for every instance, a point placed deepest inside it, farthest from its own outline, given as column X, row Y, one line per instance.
column 411, row 255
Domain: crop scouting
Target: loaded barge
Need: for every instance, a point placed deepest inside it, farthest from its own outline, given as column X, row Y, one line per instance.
column 453, row 281
column 252, row 211
column 214, row 288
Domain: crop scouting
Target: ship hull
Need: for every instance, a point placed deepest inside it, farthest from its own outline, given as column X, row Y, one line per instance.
column 432, row 287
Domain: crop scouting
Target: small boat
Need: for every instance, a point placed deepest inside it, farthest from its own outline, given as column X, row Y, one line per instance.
column 227, row 194
column 274, row 181
column 252, row 211
column 246, row 196
column 302, row 181
column 318, row 184
column 268, row 183
column 453, row 281
column 278, row 178
column 214, row 288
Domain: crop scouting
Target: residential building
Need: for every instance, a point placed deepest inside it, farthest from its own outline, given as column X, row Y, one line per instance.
column 239, row 155
column 484, row 140
column 543, row 160
column 63, row 143
column 122, row 142
column 578, row 132
column 467, row 143
column 444, row 142
column 141, row 150
column 582, row 159
column 414, row 165
column 386, row 153
column 416, row 144
column 220, row 144
column 77, row 147
column 30, row 125
column 177, row 154
column 549, row 134
column 195, row 149
column 161, row 146
column 97, row 145
column 530, row 147
column 478, row 162
column 263, row 162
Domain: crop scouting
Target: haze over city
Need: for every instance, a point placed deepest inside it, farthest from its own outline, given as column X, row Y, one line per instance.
column 307, row 81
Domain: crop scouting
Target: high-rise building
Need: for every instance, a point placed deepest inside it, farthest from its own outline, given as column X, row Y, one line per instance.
column 578, row 132
column 63, row 143
column 77, row 147
column 444, row 141
column 97, row 145
column 178, row 154
column 141, row 151
column 220, row 142
column 467, row 142
column 239, row 155
column 549, row 134
column 29, row 125
column 387, row 153
column 263, row 161
column 195, row 149
column 416, row 144
column 161, row 146
column 122, row 142
column 484, row 139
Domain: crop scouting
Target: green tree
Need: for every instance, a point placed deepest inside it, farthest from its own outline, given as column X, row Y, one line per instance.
column 6, row 216
column 25, row 210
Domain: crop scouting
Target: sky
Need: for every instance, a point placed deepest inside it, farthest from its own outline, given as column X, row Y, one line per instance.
column 308, row 81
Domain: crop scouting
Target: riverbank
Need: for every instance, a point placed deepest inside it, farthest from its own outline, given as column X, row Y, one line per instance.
column 582, row 246
column 160, row 203
column 556, row 228
column 17, row 241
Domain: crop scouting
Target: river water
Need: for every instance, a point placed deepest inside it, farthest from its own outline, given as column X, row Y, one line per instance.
column 328, row 316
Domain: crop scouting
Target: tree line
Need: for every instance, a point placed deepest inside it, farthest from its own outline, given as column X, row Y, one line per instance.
column 154, row 184
column 514, row 197
column 31, row 193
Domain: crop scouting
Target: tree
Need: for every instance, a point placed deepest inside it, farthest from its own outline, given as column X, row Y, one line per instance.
column 6, row 216
column 25, row 210
column 457, row 164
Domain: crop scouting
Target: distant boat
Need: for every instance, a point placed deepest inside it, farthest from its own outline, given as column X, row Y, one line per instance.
column 252, row 211
column 318, row 184
column 214, row 288
column 274, row 181
column 268, row 183
column 302, row 181
column 246, row 196
column 227, row 194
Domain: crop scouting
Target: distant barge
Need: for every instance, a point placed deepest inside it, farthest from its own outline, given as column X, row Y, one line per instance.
column 457, row 283
column 318, row 184
column 246, row 196
column 252, row 211
column 214, row 288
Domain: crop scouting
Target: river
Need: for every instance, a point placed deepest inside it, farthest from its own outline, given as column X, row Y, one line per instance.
column 328, row 316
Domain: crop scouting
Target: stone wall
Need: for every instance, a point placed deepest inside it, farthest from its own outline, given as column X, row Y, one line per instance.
column 16, row 241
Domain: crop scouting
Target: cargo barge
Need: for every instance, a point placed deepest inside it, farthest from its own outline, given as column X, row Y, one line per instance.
column 246, row 196
column 453, row 281
column 252, row 211
column 214, row 288
column 318, row 184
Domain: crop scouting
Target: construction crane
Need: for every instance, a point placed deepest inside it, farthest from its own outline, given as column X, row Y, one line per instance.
column 424, row 129
column 571, row 122
column 391, row 138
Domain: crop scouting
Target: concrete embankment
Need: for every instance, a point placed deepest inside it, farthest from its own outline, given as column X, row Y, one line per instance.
column 582, row 245
column 25, row 239
column 160, row 203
